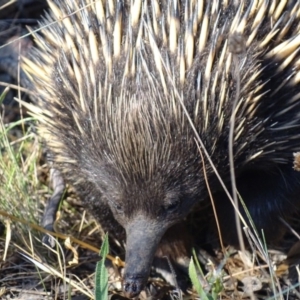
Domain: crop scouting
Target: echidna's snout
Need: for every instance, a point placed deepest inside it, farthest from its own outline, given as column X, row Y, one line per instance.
column 133, row 285
column 143, row 237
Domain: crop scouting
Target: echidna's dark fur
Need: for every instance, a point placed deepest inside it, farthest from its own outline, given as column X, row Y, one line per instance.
column 112, row 77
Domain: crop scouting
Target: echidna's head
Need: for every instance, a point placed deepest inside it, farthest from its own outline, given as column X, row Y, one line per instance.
column 146, row 209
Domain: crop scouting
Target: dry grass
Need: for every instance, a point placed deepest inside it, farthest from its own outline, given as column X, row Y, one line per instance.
column 24, row 189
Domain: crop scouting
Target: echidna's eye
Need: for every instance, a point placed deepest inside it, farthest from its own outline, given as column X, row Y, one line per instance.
column 170, row 207
column 119, row 208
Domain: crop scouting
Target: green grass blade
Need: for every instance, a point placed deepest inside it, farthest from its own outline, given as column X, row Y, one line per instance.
column 196, row 282
column 101, row 278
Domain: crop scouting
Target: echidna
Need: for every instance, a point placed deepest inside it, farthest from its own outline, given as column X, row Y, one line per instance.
column 124, row 85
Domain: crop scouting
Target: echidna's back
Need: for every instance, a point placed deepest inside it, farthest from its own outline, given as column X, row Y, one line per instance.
column 113, row 74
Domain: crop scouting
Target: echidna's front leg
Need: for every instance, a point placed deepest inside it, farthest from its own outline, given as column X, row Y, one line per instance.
column 173, row 256
column 49, row 215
